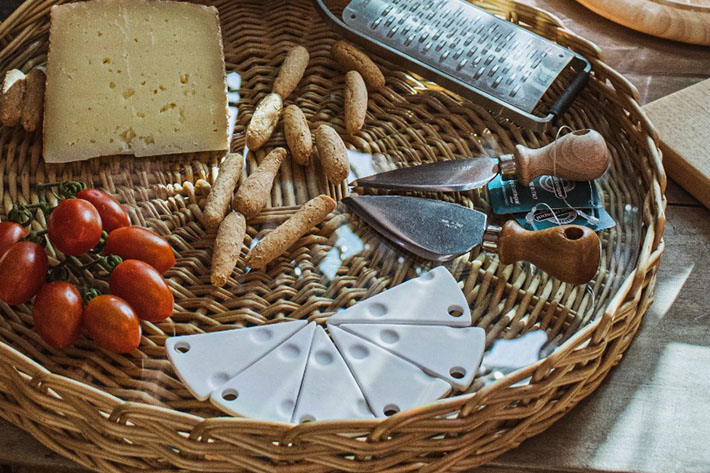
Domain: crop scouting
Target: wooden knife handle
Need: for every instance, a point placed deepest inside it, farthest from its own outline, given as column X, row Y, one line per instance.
column 578, row 156
column 569, row 253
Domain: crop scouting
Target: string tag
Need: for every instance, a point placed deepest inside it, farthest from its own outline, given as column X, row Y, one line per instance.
column 590, row 219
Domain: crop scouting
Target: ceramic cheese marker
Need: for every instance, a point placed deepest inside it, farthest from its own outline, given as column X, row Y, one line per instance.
column 453, row 354
column 329, row 390
column 269, row 388
column 390, row 383
column 206, row 361
column 510, row 355
column 434, row 298
column 579, row 156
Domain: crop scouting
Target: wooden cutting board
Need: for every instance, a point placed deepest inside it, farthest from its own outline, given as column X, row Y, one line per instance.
column 680, row 20
column 683, row 123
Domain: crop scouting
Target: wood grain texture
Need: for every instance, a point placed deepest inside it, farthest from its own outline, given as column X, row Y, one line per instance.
column 679, row 21
column 656, row 66
column 569, row 253
column 578, row 156
column 683, row 121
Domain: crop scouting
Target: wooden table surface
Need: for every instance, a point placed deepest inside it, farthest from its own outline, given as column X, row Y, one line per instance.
column 652, row 414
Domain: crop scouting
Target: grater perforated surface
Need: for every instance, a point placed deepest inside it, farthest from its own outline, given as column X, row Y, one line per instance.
column 466, row 43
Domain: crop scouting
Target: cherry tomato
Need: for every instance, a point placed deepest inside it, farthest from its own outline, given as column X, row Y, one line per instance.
column 141, row 244
column 74, row 227
column 143, row 288
column 112, row 322
column 57, row 313
column 10, row 233
column 113, row 215
column 23, row 269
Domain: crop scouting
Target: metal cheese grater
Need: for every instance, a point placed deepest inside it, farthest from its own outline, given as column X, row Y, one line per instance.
column 486, row 59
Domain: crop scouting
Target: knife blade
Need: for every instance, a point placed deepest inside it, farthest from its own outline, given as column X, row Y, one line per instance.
column 441, row 231
column 578, row 156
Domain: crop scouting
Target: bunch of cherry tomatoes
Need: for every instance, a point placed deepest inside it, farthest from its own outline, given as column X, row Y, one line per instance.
column 90, row 222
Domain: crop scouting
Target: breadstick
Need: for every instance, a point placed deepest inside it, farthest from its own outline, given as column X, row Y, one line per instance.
column 355, row 102
column 221, row 194
column 332, row 154
column 255, row 191
column 227, row 247
column 264, row 120
column 291, row 71
column 351, row 58
column 203, row 187
column 33, row 100
column 298, row 135
column 13, row 88
column 282, row 237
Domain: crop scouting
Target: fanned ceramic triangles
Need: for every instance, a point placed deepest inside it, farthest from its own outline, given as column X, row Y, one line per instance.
column 433, row 298
column 389, row 383
column 206, row 361
column 268, row 389
column 329, row 390
column 453, row 354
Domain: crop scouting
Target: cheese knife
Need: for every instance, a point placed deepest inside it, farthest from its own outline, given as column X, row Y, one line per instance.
column 578, row 156
column 441, row 231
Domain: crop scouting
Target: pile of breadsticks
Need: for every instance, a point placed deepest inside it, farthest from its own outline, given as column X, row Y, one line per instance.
column 22, row 98
column 251, row 197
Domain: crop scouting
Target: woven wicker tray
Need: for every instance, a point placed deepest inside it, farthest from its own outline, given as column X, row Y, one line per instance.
column 129, row 413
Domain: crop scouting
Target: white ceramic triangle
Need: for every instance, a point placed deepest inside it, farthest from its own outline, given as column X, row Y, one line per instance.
column 268, row 389
column 510, row 355
column 434, row 298
column 389, row 383
column 206, row 361
column 329, row 390
column 452, row 354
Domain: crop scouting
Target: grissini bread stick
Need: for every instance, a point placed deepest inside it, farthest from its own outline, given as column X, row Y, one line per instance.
column 255, row 191
column 203, row 187
column 355, row 102
column 264, row 120
column 285, row 235
column 298, row 135
column 291, row 71
column 227, row 247
column 33, row 100
column 332, row 154
column 13, row 89
column 221, row 194
column 351, row 58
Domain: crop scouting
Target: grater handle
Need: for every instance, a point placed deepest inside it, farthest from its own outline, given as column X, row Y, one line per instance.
column 570, row 253
column 578, row 156
column 575, row 87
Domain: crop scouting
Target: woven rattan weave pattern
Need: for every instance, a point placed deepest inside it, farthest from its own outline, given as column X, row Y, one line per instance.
column 130, row 413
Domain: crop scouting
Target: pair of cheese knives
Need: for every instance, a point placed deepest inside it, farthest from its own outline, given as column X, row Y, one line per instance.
column 441, row 231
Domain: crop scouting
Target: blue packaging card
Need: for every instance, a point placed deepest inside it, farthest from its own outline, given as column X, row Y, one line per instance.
column 546, row 218
column 510, row 197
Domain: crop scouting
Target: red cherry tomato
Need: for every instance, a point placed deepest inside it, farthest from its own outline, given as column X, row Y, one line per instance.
column 23, row 269
column 143, row 288
column 113, row 215
column 57, row 313
column 10, row 233
column 113, row 324
column 74, row 227
column 141, row 244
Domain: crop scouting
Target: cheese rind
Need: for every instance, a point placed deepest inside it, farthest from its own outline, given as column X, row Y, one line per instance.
column 140, row 77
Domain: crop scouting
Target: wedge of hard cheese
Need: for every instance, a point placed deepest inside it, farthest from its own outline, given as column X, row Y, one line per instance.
column 139, row 77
